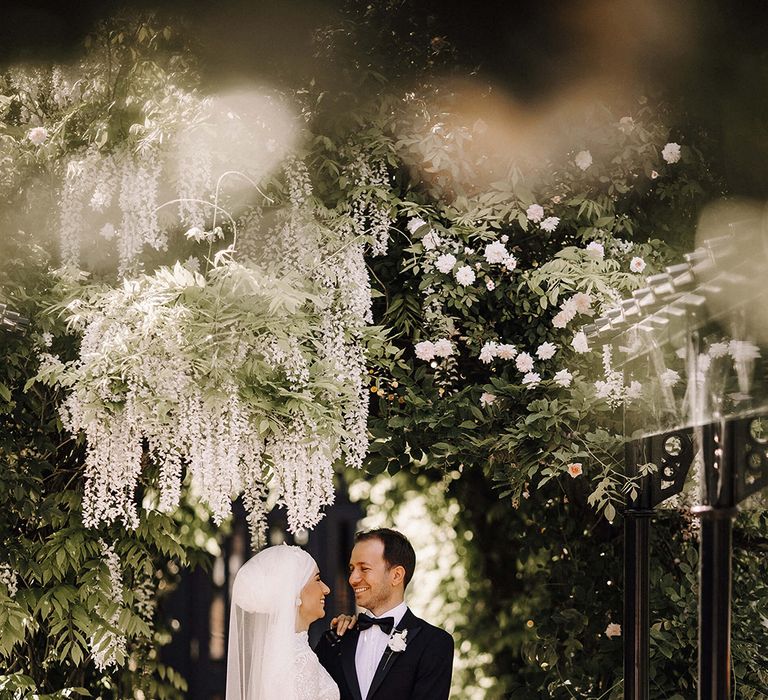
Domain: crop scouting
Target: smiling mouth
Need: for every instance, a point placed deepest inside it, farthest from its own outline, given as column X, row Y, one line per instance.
column 361, row 590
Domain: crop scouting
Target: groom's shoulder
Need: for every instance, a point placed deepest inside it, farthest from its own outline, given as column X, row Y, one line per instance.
column 435, row 633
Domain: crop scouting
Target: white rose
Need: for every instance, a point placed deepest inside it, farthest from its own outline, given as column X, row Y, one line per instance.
column 511, row 263
column 445, row 263
column 443, row 348
column 563, row 378
column 425, row 350
column 415, row 224
column 496, row 253
column 579, row 342
column 550, row 224
column 532, row 378
column 38, row 135
column 524, row 362
column 506, row 351
column 465, row 275
column 637, row 264
column 431, row 240
column 546, row 350
column 671, row 153
column 595, row 250
column 487, row 399
column 488, row 352
column 490, row 285
column 535, row 213
column 583, row 160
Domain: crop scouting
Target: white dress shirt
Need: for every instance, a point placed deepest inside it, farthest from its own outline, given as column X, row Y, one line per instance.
column 370, row 647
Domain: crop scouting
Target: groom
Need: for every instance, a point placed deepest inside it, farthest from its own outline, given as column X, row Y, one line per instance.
column 390, row 653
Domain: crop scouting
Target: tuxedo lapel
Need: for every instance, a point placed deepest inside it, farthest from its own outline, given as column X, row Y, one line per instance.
column 348, row 663
column 409, row 622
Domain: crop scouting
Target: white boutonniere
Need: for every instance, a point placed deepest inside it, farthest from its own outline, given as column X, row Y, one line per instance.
column 397, row 641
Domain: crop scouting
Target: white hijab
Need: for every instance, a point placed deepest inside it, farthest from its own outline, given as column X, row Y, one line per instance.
column 265, row 600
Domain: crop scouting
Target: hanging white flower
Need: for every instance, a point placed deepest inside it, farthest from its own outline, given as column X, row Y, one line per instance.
column 415, row 224
column 431, row 240
column 445, row 263
column 671, row 153
column 465, row 275
column 583, row 160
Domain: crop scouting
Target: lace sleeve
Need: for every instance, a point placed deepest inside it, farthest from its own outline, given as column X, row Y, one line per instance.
column 311, row 680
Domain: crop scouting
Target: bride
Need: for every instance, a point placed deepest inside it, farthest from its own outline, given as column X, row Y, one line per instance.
column 275, row 597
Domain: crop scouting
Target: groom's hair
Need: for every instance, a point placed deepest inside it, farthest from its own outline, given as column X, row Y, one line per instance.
column 398, row 551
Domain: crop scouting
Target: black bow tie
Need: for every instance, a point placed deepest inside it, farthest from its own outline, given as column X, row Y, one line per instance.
column 365, row 621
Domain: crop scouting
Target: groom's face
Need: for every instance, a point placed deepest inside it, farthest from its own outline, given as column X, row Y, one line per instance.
column 373, row 583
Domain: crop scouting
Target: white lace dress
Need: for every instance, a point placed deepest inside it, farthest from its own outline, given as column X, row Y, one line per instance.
column 313, row 682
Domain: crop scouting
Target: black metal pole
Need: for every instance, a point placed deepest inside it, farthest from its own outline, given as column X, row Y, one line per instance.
column 637, row 530
column 715, row 561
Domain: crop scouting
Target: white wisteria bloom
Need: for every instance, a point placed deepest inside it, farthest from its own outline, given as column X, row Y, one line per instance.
column 546, row 350
column 531, row 379
column 637, row 264
column 669, row 377
column 486, row 399
column 671, row 152
column 443, row 348
column 489, row 351
column 506, row 351
column 431, row 240
column 445, row 262
column 563, row 378
column 524, row 362
column 107, row 232
column 583, row 160
column 580, row 343
column 415, row 224
column 718, row 350
column 496, row 253
column 634, row 390
column 743, row 350
column 38, row 135
column 595, row 250
column 510, row 263
column 10, row 578
column 465, row 275
column 535, row 213
column 550, row 224
column 425, row 350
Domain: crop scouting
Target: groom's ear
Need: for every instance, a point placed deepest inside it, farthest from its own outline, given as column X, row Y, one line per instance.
column 398, row 575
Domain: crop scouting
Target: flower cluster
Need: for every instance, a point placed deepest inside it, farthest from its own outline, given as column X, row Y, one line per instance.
column 108, row 647
column 10, row 579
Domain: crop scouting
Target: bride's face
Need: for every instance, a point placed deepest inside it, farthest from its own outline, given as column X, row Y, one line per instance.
column 313, row 599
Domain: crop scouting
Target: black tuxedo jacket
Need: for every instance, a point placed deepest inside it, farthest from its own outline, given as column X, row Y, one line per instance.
column 422, row 671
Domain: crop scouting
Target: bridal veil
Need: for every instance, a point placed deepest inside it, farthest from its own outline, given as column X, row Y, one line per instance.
column 262, row 627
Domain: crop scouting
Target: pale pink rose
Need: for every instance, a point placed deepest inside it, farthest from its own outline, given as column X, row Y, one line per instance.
column 425, row 350
column 443, row 348
column 561, row 319
column 546, row 350
column 535, row 213
column 490, row 285
column 563, row 378
column 671, row 152
column 38, row 135
column 595, row 250
column 582, row 302
column 550, row 224
column 579, row 342
column 511, row 263
column 505, row 351
column 637, row 264
column 524, row 362
column 465, row 275
column 487, row 399
column 531, row 379
column 574, row 469
column 488, row 351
